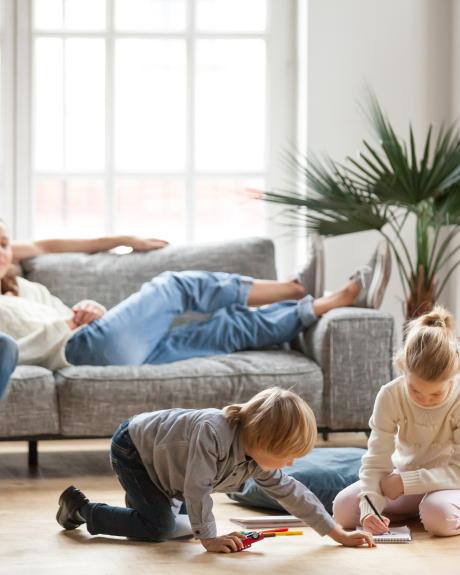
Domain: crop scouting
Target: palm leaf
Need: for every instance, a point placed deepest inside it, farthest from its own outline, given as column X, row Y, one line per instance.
column 379, row 189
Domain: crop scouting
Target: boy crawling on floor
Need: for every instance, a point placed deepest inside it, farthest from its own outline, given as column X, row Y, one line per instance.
column 174, row 456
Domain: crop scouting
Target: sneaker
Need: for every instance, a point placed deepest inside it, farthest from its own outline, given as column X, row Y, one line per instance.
column 374, row 277
column 70, row 501
column 311, row 276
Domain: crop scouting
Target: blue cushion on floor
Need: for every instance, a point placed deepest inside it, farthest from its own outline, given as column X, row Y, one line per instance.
column 325, row 471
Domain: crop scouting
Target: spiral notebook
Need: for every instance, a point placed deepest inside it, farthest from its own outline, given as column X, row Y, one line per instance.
column 395, row 535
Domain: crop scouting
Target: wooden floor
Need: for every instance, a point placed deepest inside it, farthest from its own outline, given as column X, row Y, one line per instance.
column 32, row 543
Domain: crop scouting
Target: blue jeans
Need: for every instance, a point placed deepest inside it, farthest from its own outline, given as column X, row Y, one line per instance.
column 150, row 515
column 8, row 360
column 138, row 330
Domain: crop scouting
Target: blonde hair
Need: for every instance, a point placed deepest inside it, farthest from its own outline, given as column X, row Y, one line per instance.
column 430, row 350
column 275, row 420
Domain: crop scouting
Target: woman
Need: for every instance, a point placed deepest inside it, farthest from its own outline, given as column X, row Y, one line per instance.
column 138, row 330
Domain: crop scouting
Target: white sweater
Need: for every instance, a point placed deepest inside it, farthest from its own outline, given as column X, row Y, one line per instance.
column 421, row 443
column 37, row 321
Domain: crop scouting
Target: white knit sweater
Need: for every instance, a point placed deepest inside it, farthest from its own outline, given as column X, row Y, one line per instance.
column 37, row 321
column 421, row 443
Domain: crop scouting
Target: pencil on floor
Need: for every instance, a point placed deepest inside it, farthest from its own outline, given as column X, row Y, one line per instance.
column 283, row 534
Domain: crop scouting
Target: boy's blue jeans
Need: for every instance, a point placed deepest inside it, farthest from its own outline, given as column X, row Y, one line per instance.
column 138, row 330
column 8, row 360
column 150, row 516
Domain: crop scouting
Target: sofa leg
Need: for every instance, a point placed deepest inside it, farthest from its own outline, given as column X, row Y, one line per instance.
column 325, row 434
column 33, row 453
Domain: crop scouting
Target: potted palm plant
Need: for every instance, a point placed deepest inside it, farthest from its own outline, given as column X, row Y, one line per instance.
column 384, row 187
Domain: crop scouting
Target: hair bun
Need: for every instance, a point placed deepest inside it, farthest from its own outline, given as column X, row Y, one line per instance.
column 434, row 322
column 439, row 317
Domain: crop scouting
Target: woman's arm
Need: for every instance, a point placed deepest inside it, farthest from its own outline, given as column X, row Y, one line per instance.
column 23, row 250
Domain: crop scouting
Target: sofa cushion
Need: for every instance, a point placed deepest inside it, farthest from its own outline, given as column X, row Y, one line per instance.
column 109, row 278
column 29, row 407
column 94, row 400
column 325, row 471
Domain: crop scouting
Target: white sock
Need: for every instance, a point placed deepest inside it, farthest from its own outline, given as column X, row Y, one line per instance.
column 183, row 527
column 79, row 516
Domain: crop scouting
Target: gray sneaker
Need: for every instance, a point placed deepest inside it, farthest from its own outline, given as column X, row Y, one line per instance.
column 311, row 276
column 374, row 277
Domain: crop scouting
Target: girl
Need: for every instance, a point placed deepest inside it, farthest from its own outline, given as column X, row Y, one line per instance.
column 172, row 456
column 138, row 330
column 412, row 466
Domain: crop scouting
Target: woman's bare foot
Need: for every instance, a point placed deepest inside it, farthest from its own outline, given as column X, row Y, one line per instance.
column 342, row 298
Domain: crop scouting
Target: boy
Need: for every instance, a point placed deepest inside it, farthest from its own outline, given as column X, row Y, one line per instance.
column 167, row 457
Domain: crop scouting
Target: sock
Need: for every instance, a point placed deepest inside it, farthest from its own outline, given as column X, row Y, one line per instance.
column 82, row 513
column 183, row 527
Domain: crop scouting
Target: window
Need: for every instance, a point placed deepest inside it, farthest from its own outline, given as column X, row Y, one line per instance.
column 152, row 117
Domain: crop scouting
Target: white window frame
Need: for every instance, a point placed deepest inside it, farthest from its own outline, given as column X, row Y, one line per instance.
column 280, row 120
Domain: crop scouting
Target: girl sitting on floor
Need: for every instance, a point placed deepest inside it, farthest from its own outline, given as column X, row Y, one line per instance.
column 412, row 466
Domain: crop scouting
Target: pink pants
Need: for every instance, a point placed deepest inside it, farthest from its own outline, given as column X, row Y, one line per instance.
column 439, row 511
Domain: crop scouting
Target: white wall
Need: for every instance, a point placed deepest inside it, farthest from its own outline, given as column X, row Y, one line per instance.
column 454, row 294
column 401, row 49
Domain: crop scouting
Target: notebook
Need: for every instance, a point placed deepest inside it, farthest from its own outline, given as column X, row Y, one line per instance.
column 396, row 535
column 267, row 521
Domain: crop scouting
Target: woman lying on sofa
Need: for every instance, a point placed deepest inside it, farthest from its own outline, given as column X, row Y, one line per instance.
column 37, row 328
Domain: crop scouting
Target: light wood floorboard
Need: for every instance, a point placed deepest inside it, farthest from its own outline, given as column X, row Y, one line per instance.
column 31, row 542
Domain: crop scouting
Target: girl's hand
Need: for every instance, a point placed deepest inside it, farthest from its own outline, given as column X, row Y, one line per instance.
column 392, row 486
column 224, row 544
column 352, row 538
column 373, row 524
column 86, row 312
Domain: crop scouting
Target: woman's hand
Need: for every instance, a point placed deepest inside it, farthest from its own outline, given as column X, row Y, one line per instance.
column 86, row 312
column 352, row 538
column 225, row 543
column 374, row 525
column 392, row 486
column 144, row 244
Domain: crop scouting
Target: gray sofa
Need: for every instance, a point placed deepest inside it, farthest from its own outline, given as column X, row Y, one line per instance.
column 347, row 359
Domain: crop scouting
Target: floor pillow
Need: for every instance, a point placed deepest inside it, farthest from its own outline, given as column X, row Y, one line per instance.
column 325, row 471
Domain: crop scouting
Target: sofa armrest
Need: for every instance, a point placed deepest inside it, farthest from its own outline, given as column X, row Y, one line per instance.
column 354, row 348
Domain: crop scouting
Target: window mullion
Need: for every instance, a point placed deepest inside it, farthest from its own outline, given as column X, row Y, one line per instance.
column 110, row 215
column 7, row 113
column 280, row 121
column 23, row 208
column 190, row 115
